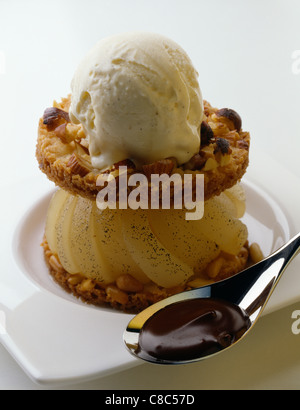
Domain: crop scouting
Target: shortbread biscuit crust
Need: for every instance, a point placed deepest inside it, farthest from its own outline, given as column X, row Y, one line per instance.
column 94, row 292
column 62, row 154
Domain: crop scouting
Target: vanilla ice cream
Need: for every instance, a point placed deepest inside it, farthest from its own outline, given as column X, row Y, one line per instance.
column 137, row 96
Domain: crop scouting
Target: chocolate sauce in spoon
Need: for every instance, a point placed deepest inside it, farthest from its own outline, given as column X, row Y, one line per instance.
column 191, row 329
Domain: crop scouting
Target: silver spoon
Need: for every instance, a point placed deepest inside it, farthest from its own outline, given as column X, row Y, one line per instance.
column 248, row 291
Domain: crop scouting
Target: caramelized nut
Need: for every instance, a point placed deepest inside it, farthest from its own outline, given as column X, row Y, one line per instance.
column 214, row 267
column 223, row 146
column 60, row 132
column 219, row 128
column 243, row 144
column 256, row 254
column 232, row 137
column 210, row 164
column 196, row 283
column 68, row 132
column 125, row 163
column 48, row 253
column 55, row 264
column 164, row 166
column 86, row 285
column 53, row 116
column 78, row 165
column 128, row 283
column 116, row 295
column 206, row 134
column 196, row 162
column 75, row 279
column 234, row 121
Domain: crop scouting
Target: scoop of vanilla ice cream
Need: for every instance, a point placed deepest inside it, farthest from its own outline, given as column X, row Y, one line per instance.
column 137, row 96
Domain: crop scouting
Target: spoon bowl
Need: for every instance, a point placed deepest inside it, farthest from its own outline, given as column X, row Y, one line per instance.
column 247, row 293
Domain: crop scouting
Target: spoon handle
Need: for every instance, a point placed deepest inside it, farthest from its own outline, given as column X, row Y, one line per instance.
column 271, row 269
column 290, row 250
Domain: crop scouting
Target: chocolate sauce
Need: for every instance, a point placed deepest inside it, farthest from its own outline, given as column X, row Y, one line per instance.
column 191, row 329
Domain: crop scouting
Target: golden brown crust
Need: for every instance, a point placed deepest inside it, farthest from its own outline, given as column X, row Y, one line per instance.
column 222, row 168
column 139, row 296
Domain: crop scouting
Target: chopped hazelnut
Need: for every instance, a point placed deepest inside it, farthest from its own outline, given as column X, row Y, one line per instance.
column 234, row 121
column 78, row 165
column 243, row 145
column 53, row 117
column 223, row 146
column 125, row 163
column 164, row 166
column 196, row 162
column 206, row 133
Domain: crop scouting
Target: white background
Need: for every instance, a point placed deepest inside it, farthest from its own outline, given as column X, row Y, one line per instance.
column 247, row 59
